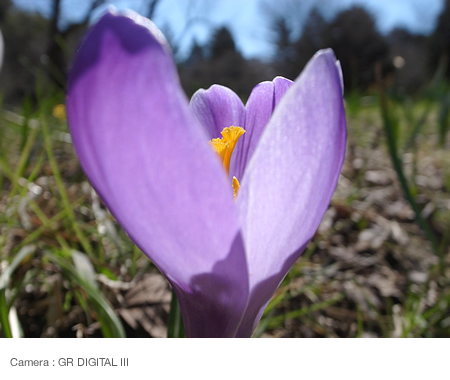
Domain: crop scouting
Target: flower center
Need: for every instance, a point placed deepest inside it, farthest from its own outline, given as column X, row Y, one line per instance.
column 224, row 147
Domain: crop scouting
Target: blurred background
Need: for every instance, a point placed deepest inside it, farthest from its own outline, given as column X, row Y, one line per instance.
column 379, row 265
column 238, row 43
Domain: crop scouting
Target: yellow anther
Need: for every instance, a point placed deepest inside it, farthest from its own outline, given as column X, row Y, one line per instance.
column 236, row 186
column 59, row 111
column 220, row 146
column 225, row 146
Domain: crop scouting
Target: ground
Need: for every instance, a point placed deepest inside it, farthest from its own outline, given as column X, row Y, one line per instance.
column 69, row 270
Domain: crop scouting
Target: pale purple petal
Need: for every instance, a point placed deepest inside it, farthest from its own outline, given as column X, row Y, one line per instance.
column 202, row 306
column 258, row 111
column 148, row 157
column 290, row 179
column 341, row 77
column 217, row 108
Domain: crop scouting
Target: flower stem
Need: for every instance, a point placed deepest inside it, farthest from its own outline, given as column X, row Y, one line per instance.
column 175, row 328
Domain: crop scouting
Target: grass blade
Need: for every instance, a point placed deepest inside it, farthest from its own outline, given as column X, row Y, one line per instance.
column 443, row 119
column 110, row 323
column 279, row 320
column 4, row 281
column 62, row 190
column 389, row 129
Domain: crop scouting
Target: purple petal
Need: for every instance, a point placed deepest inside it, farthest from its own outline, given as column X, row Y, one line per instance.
column 217, row 108
column 149, row 159
column 258, row 111
column 290, row 179
column 202, row 306
column 341, row 77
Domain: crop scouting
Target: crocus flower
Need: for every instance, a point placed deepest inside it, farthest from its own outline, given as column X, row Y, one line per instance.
column 148, row 153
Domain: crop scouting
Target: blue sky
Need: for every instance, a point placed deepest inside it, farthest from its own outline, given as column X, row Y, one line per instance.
column 248, row 19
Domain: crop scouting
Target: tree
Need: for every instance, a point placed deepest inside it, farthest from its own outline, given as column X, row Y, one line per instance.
column 286, row 57
column 220, row 62
column 313, row 38
column 440, row 42
column 351, row 34
column 26, row 40
column 358, row 45
column 222, row 43
column 58, row 45
column 409, row 55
